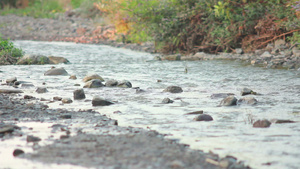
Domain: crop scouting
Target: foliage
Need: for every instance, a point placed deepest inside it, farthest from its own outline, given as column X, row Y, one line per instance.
column 8, row 53
column 36, row 8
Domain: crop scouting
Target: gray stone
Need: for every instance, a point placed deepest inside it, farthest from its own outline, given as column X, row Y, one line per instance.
column 280, row 43
column 41, row 90
column 195, row 112
column 26, row 85
column 229, row 101
column 248, row 100
column 203, row 117
column 220, row 95
column 91, row 77
column 173, row 89
column 266, row 55
column 8, row 128
column 32, row 139
column 18, row 152
column 262, row 124
column 296, row 52
column 56, row 72
column 167, row 100
column 10, row 91
column 95, row 83
column 79, row 94
column 28, row 59
column 66, row 100
column 73, row 77
column 247, row 91
column 124, row 84
column 238, row 50
column 111, row 83
column 11, row 80
column 57, row 60
column 98, row 101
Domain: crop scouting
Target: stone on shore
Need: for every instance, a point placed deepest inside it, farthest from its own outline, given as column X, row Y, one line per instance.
column 98, row 101
column 41, row 90
column 262, row 124
column 91, row 77
column 57, row 60
column 203, row 117
column 229, row 101
column 29, row 59
column 79, row 94
column 173, row 89
column 248, row 100
column 56, row 72
column 95, row 83
column 10, row 91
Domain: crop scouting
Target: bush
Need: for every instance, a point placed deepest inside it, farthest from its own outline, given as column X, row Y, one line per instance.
column 8, row 53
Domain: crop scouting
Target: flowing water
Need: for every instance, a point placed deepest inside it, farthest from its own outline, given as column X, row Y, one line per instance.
column 231, row 131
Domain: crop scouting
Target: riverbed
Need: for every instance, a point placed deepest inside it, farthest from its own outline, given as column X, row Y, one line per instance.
column 231, row 131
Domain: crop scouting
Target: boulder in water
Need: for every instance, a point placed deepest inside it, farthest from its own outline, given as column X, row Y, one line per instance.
column 229, row 101
column 56, row 72
column 57, row 60
column 203, row 117
column 79, row 94
column 95, row 83
column 98, row 101
column 173, row 89
column 91, row 77
column 262, row 124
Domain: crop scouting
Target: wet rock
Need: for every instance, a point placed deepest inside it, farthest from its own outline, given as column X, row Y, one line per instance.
column 111, row 83
column 73, row 77
column 138, row 90
column 171, row 57
column 41, row 90
column 221, row 95
column 79, row 94
column 10, row 91
column 56, row 98
column 11, row 80
column 262, row 124
column 66, row 116
column 248, row 100
column 28, row 97
column 229, row 101
column 31, row 138
column 203, row 117
column 98, row 101
column 26, row 85
column 247, row 91
column 173, row 89
column 66, row 100
column 91, row 77
column 7, row 128
column 95, row 83
column 195, row 112
column 280, row 121
column 124, row 84
column 17, row 83
column 28, row 59
column 57, row 60
column 167, row 100
column 18, row 152
column 56, row 72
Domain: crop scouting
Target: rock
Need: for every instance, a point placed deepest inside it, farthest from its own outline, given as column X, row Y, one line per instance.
column 203, row 117
column 73, row 77
column 28, row 59
column 247, row 91
column 28, row 97
column 98, row 101
column 8, row 128
column 56, row 98
column 280, row 43
column 172, row 57
column 18, row 152
column 228, row 101
column 56, row 72
column 296, row 52
column 262, row 124
column 57, row 60
column 41, row 90
column 248, row 100
column 111, row 83
column 279, row 121
column 66, row 100
column 167, row 100
column 26, row 85
column 91, row 77
column 95, row 83
column 124, row 84
column 138, row 90
column 195, row 112
column 79, row 94
column 221, row 95
column 66, row 116
column 17, row 83
column 11, row 80
column 266, row 55
column 33, row 139
column 10, row 91
column 173, row 89
column 238, row 50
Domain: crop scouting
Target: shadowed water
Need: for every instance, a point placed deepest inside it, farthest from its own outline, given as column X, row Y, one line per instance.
column 231, row 132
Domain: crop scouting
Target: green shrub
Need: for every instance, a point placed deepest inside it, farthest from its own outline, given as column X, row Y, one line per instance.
column 8, row 53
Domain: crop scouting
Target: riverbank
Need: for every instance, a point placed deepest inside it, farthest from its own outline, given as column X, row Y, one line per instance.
column 69, row 28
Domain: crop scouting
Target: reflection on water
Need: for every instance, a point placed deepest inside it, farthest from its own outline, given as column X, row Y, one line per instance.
column 231, row 131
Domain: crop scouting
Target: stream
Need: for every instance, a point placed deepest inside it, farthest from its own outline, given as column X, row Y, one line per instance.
column 231, row 131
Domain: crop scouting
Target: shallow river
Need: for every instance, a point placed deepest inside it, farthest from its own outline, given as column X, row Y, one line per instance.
column 231, row 132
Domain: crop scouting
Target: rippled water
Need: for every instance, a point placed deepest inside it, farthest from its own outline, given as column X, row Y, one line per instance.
column 231, row 132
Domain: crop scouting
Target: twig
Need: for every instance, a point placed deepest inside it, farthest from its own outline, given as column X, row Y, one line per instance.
column 277, row 37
